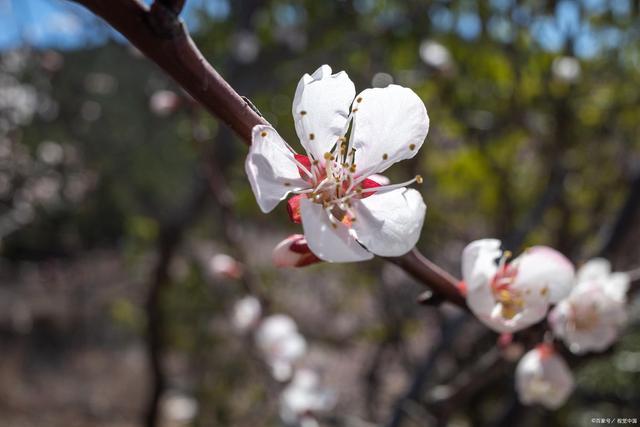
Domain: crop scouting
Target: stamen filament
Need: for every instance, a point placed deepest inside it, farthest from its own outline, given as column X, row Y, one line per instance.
column 385, row 188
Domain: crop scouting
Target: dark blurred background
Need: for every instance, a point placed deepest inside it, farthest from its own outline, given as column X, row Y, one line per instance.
column 534, row 139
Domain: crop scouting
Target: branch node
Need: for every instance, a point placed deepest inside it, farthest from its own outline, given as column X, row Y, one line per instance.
column 164, row 18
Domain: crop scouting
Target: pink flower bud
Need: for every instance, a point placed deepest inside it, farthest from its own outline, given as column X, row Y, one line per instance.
column 293, row 252
column 222, row 265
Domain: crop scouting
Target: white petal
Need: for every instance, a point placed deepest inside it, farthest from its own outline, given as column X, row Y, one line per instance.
column 597, row 268
column 589, row 319
column 389, row 125
column 330, row 242
column 541, row 267
column 481, row 255
column 617, row 285
column 271, row 168
column 321, row 109
column 292, row 347
column 483, row 305
column 246, row 313
column 543, row 379
column 389, row 224
column 273, row 328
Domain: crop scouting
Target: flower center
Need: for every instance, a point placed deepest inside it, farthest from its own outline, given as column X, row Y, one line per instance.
column 335, row 183
column 510, row 300
column 586, row 318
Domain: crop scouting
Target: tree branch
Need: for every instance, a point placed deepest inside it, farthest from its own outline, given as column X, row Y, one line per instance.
column 173, row 50
column 441, row 283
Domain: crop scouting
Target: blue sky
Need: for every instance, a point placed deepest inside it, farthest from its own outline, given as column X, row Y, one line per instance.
column 63, row 24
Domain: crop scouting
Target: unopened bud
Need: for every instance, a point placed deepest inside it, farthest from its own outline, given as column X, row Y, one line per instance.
column 293, row 252
column 222, row 265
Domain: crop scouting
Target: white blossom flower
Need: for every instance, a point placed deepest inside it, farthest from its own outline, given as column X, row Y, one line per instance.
column 304, row 397
column 345, row 215
column 179, row 408
column 590, row 318
column 510, row 296
column 281, row 344
column 293, row 252
column 164, row 102
column 246, row 313
column 543, row 377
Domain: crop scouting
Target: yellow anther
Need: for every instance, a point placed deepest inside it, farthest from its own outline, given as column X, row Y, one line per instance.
column 504, row 296
column 419, row 179
column 328, row 156
column 352, row 168
column 507, row 254
column 509, row 311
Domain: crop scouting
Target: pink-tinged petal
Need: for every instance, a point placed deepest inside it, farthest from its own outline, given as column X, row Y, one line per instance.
column 589, row 319
column 293, row 252
column 544, row 273
column 594, row 269
column 389, row 224
column 330, row 241
column 271, row 169
column 321, row 109
column 617, row 286
column 543, row 377
column 389, row 125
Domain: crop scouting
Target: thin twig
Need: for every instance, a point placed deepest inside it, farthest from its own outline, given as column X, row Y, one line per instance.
column 439, row 281
column 168, row 241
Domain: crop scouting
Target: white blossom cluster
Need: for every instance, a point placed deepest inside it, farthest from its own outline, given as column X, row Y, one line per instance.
column 283, row 347
column 510, row 295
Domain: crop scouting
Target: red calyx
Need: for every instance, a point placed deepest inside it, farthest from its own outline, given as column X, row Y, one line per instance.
column 304, row 161
column 462, row 287
column 293, row 208
column 368, row 183
column 545, row 349
column 300, row 247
